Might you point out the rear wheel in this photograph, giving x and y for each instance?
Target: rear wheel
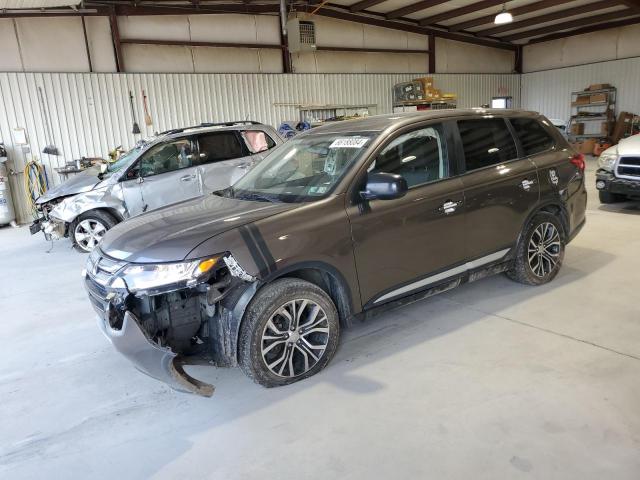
(607, 197)
(290, 331)
(540, 251)
(87, 230)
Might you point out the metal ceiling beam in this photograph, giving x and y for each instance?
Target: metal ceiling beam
(633, 4)
(458, 12)
(558, 27)
(589, 29)
(407, 25)
(532, 7)
(414, 7)
(364, 4)
(550, 17)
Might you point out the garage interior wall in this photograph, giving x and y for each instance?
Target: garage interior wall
(91, 113)
(57, 45)
(554, 69)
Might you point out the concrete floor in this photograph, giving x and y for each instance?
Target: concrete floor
(493, 380)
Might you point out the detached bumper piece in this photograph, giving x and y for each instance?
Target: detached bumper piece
(131, 341)
(607, 182)
(152, 359)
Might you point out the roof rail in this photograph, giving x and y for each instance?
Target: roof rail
(209, 124)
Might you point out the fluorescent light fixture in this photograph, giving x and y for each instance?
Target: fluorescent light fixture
(503, 17)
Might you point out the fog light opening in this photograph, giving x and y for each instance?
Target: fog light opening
(600, 184)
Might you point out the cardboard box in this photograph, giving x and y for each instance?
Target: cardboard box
(622, 125)
(599, 86)
(598, 97)
(582, 100)
(585, 147)
(577, 128)
(605, 128)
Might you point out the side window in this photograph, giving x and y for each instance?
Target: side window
(486, 141)
(257, 141)
(419, 156)
(167, 157)
(218, 146)
(533, 136)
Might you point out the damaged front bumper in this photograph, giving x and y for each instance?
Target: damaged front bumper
(150, 358)
(161, 330)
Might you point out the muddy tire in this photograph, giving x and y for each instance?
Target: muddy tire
(289, 332)
(87, 230)
(540, 252)
(608, 197)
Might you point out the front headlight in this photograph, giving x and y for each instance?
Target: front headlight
(153, 276)
(607, 161)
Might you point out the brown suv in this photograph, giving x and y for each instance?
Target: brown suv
(331, 225)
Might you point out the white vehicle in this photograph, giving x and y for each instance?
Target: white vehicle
(618, 175)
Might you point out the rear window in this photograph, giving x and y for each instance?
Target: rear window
(218, 146)
(533, 136)
(486, 142)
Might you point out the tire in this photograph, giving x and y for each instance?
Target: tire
(533, 264)
(608, 197)
(94, 224)
(260, 344)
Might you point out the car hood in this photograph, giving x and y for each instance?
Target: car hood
(627, 146)
(80, 183)
(170, 233)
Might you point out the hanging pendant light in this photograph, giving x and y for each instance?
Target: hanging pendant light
(503, 17)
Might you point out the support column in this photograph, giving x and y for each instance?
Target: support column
(432, 54)
(284, 38)
(115, 36)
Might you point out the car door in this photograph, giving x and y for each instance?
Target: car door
(499, 187)
(407, 244)
(167, 174)
(223, 158)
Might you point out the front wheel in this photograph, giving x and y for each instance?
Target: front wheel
(87, 230)
(540, 251)
(290, 331)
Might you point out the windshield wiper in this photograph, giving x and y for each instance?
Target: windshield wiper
(256, 197)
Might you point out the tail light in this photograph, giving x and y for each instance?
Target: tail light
(578, 161)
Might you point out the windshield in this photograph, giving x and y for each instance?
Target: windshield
(122, 162)
(303, 169)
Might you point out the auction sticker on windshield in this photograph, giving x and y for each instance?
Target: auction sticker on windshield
(349, 142)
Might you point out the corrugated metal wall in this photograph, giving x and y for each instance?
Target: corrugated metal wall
(549, 92)
(91, 114)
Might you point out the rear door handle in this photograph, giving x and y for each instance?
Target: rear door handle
(449, 207)
(187, 178)
(526, 184)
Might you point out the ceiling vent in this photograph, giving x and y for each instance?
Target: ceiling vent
(301, 35)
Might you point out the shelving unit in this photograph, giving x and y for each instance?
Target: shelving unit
(585, 112)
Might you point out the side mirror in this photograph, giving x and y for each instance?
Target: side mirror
(384, 186)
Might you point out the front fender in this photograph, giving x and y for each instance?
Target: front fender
(109, 198)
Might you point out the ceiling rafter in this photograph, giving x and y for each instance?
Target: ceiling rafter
(532, 7)
(458, 12)
(558, 27)
(589, 29)
(549, 17)
(364, 4)
(414, 7)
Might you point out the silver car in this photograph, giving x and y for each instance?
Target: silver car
(174, 166)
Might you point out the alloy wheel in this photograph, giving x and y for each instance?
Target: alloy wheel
(88, 234)
(295, 338)
(544, 249)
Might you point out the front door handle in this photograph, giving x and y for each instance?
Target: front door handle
(526, 184)
(449, 207)
(187, 178)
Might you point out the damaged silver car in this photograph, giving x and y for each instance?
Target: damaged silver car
(176, 165)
